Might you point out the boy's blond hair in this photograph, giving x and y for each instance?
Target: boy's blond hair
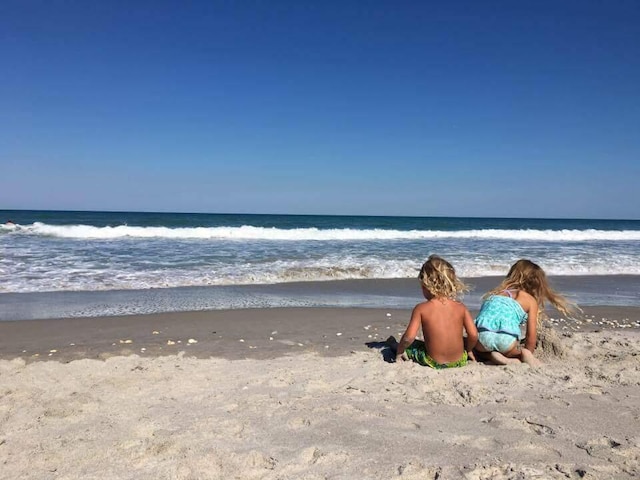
(439, 277)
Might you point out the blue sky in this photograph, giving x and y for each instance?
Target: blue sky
(461, 108)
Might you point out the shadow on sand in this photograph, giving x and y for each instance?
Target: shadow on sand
(388, 353)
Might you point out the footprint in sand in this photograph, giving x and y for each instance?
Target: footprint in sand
(300, 422)
(539, 427)
(605, 448)
(257, 459)
(313, 455)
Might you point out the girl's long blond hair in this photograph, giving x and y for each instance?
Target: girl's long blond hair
(439, 277)
(530, 277)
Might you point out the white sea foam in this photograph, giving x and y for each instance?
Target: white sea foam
(45, 257)
(67, 275)
(313, 234)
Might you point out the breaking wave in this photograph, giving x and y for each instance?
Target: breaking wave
(314, 234)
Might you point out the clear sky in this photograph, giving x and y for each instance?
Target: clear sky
(461, 108)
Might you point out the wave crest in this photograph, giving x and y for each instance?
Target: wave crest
(247, 232)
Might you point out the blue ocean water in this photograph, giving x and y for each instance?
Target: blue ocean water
(51, 251)
(69, 264)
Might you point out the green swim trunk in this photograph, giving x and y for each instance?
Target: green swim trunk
(418, 354)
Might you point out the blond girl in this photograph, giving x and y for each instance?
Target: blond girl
(518, 300)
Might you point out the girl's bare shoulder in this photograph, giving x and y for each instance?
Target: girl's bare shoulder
(526, 300)
(521, 294)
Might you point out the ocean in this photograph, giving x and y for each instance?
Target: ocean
(55, 263)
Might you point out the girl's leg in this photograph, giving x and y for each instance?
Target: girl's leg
(527, 357)
(496, 358)
(499, 359)
(512, 355)
(523, 354)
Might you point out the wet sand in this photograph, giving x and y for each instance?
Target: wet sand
(244, 333)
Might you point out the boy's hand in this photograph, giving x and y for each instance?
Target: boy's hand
(402, 357)
(471, 356)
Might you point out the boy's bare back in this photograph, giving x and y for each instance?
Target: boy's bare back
(443, 321)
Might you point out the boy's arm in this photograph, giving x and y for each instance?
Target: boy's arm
(472, 334)
(410, 333)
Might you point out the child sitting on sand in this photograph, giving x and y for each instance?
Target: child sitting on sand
(442, 318)
(517, 301)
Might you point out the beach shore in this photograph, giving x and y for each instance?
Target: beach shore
(241, 334)
(308, 393)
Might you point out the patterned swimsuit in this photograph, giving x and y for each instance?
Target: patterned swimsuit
(418, 353)
(499, 322)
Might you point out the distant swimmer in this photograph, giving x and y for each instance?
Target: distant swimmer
(9, 222)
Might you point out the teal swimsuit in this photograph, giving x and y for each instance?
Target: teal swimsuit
(499, 322)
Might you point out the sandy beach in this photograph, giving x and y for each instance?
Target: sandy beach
(308, 393)
(217, 217)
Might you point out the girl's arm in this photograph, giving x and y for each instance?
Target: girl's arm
(532, 326)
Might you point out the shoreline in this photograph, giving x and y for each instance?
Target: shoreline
(243, 333)
(404, 293)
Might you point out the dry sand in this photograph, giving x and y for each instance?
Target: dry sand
(296, 400)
